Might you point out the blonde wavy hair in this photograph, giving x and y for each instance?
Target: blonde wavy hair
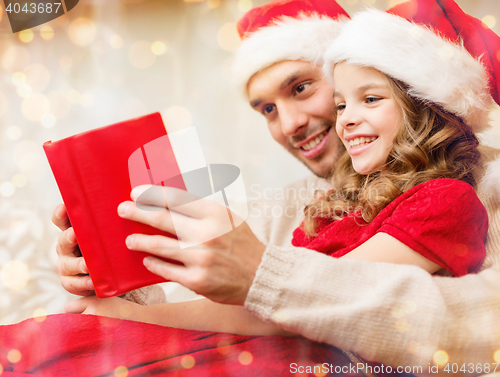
(431, 143)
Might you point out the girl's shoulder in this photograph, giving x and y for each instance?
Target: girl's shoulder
(450, 187)
(438, 197)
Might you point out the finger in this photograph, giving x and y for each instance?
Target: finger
(67, 243)
(78, 306)
(168, 271)
(71, 266)
(160, 220)
(60, 217)
(161, 246)
(160, 196)
(78, 285)
(177, 200)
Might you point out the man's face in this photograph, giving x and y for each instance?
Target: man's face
(297, 102)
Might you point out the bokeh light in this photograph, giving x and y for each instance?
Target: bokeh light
(48, 120)
(59, 104)
(140, 55)
(402, 325)
(7, 189)
(26, 36)
(489, 21)
(3, 104)
(14, 132)
(228, 37)
(35, 106)
(40, 315)
(187, 362)
(65, 61)
(121, 371)
(37, 76)
(496, 356)
(24, 90)
(177, 118)
(18, 78)
(319, 371)
(74, 96)
(15, 59)
(15, 275)
(27, 156)
(245, 358)
(245, 5)
(86, 100)
(212, 4)
(19, 180)
(158, 48)
(116, 41)
(82, 31)
(47, 33)
(132, 108)
(14, 356)
(369, 2)
(351, 2)
(440, 357)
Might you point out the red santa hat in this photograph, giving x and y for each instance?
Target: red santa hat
(443, 54)
(285, 30)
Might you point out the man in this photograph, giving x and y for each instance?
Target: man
(397, 315)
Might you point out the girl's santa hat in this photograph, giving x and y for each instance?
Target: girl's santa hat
(444, 55)
(285, 30)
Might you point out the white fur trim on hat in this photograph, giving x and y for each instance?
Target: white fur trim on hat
(436, 70)
(303, 38)
(491, 179)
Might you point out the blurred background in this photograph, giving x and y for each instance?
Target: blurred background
(108, 61)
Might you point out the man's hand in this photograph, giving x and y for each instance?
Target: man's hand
(70, 264)
(221, 269)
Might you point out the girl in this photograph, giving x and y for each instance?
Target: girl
(406, 181)
(406, 116)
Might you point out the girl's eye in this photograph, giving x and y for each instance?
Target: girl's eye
(339, 107)
(372, 99)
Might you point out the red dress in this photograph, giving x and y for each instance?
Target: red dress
(442, 219)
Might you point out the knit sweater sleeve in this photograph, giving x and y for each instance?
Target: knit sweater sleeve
(393, 314)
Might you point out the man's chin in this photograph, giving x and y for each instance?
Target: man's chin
(321, 170)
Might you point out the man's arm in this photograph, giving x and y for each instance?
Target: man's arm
(393, 314)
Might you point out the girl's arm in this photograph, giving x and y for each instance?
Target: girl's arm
(384, 248)
(202, 315)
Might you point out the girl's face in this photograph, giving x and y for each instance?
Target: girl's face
(368, 117)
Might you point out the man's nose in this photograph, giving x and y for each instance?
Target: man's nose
(292, 119)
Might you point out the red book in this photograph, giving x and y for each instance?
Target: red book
(95, 171)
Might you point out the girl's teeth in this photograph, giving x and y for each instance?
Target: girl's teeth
(359, 141)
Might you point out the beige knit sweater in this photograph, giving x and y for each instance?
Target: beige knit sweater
(395, 314)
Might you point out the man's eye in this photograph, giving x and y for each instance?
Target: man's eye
(268, 109)
(300, 88)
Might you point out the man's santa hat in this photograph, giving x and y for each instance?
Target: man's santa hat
(285, 30)
(444, 55)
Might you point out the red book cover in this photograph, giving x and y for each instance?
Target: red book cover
(95, 171)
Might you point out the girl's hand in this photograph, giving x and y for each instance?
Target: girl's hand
(222, 261)
(108, 307)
